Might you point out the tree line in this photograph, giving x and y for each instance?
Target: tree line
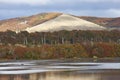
(59, 45)
(60, 51)
(60, 37)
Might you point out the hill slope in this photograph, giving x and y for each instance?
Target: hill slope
(107, 22)
(65, 22)
(45, 22)
(19, 24)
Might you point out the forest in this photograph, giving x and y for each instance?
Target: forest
(60, 45)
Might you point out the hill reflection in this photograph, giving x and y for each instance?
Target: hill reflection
(76, 75)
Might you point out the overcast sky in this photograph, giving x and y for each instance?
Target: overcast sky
(100, 8)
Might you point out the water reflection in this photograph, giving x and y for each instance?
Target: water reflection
(68, 76)
(74, 75)
(60, 70)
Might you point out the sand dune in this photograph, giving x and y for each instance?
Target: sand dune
(65, 22)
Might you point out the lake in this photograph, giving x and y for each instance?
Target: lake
(69, 69)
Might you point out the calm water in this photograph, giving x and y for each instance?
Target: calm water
(82, 69)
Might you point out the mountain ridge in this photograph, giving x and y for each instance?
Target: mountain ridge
(24, 23)
(107, 22)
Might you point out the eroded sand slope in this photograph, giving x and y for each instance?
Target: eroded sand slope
(65, 22)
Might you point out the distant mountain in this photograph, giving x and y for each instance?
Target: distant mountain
(106, 22)
(49, 22)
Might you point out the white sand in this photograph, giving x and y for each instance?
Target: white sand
(65, 22)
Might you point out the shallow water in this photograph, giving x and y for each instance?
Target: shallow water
(82, 69)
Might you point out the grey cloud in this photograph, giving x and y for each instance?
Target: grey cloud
(77, 7)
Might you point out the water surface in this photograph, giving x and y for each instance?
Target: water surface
(80, 69)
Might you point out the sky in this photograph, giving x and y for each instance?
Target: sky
(98, 8)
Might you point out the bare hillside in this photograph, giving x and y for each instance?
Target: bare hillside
(65, 22)
(19, 24)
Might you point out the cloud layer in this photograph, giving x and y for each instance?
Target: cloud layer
(101, 8)
(30, 2)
